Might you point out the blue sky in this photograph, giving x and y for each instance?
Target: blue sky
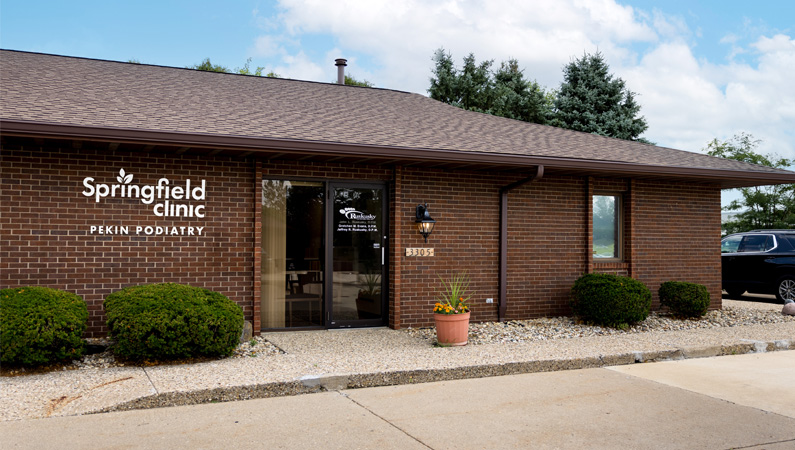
(702, 69)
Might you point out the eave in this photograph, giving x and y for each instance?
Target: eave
(270, 148)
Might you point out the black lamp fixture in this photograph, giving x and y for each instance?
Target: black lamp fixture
(424, 221)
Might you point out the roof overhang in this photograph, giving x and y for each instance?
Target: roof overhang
(243, 146)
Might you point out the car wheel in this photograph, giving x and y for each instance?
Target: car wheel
(735, 292)
(785, 288)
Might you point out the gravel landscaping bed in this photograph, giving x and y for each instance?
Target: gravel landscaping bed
(568, 327)
(544, 329)
(256, 347)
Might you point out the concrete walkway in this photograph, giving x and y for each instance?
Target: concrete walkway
(320, 361)
(711, 403)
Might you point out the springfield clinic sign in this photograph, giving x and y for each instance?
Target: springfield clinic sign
(167, 200)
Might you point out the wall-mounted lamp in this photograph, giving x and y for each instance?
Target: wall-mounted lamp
(424, 221)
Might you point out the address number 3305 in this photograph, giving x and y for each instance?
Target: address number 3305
(419, 252)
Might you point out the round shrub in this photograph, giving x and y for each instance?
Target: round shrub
(684, 299)
(40, 325)
(170, 321)
(610, 300)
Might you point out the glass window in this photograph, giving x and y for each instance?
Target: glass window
(756, 243)
(606, 229)
(292, 253)
(730, 244)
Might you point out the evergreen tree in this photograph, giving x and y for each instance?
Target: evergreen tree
(594, 101)
(444, 83)
(517, 98)
(763, 207)
(475, 87)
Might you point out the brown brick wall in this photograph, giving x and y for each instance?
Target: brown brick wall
(547, 244)
(465, 206)
(670, 232)
(677, 236)
(45, 220)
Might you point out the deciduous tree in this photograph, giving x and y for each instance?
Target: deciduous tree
(208, 66)
(762, 207)
(350, 80)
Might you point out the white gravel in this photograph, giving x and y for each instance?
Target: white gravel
(733, 314)
(280, 363)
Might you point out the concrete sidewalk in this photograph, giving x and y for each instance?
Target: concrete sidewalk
(332, 360)
(711, 403)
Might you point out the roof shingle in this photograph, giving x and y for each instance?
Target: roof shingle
(50, 89)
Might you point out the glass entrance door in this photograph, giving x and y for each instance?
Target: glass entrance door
(356, 225)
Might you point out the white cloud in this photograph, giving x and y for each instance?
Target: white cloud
(687, 101)
(670, 27)
(268, 46)
(778, 43)
(300, 67)
(400, 36)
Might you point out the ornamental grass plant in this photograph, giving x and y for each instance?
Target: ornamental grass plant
(454, 295)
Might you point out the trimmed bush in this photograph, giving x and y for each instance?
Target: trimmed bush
(610, 300)
(40, 325)
(171, 321)
(684, 299)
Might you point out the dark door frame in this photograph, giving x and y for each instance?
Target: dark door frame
(331, 186)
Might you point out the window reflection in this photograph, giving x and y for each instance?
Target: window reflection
(605, 226)
(292, 254)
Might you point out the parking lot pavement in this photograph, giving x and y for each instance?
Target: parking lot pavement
(665, 405)
(759, 380)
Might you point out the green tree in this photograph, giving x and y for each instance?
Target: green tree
(476, 87)
(351, 81)
(444, 82)
(763, 207)
(208, 66)
(518, 98)
(592, 100)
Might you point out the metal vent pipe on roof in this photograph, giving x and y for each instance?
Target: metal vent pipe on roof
(341, 63)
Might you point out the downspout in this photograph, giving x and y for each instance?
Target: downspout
(503, 299)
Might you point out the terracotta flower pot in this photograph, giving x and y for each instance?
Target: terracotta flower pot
(452, 329)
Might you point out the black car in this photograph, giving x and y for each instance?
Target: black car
(759, 261)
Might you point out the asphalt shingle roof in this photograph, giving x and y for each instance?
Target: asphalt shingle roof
(51, 89)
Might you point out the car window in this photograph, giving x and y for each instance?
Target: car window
(756, 243)
(789, 239)
(730, 244)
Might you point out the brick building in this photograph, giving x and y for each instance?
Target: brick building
(298, 200)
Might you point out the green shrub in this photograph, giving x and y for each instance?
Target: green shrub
(610, 300)
(40, 325)
(684, 299)
(170, 321)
